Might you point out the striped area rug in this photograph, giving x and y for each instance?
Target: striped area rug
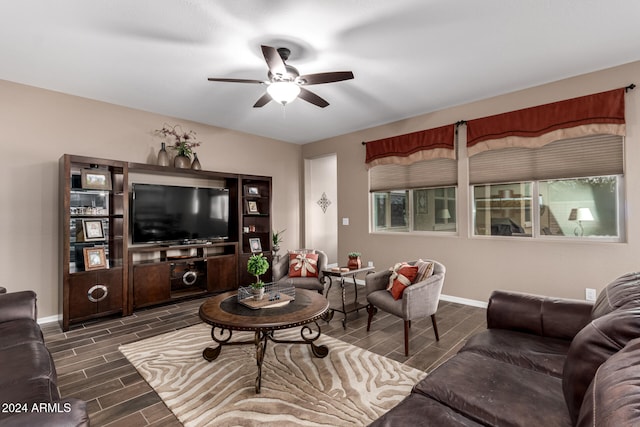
(349, 387)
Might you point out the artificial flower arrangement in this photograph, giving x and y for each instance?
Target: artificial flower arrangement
(184, 141)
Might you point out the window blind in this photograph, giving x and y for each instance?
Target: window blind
(569, 158)
(429, 173)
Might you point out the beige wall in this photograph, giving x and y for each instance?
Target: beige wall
(476, 266)
(38, 126)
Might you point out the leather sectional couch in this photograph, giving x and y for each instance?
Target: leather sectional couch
(28, 391)
(541, 362)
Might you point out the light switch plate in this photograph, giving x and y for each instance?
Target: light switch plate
(590, 294)
(345, 221)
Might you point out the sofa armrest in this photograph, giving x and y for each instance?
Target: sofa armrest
(64, 413)
(539, 315)
(376, 281)
(18, 305)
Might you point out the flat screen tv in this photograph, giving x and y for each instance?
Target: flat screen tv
(173, 214)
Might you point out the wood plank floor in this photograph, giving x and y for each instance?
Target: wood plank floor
(91, 368)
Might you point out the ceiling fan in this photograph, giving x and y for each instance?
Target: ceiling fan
(285, 83)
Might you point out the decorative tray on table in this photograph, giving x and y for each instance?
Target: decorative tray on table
(274, 296)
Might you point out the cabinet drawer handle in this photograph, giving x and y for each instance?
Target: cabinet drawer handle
(94, 288)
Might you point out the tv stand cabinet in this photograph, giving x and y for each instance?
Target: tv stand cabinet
(161, 274)
(127, 276)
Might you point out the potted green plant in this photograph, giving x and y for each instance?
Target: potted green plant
(276, 238)
(354, 260)
(257, 266)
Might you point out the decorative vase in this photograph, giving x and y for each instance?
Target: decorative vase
(354, 263)
(163, 156)
(181, 162)
(258, 293)
(195, 165)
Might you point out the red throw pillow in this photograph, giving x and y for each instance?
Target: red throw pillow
(303, 265)
(406, 274)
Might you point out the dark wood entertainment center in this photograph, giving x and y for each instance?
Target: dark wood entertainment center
(95, 222)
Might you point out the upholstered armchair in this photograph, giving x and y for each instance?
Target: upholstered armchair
(417, 301)
(281, 270)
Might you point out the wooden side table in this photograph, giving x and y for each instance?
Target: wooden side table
(346, 308)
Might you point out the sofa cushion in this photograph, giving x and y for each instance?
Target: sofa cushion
(311, 283)
(546, 355)
(25, 362)
(417, 409)
(622, 292)
(19, 331)
(496, 393)
(402, 276)
(18, 305)
(594, 344)
(425, 270)
(303, 265)
(613, 397)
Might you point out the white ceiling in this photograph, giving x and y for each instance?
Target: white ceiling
(409, 57)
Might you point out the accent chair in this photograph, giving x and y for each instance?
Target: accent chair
(282, 270)
(418, 300)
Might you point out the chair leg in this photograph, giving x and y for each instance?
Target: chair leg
(407, 325)
(371, 310)
(435, 326)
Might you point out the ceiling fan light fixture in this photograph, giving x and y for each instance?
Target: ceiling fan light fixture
(283, 92)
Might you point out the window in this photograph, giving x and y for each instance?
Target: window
(579, 207)
(425, 209)
(434, 209)
(503, 209)
(567, 188)
(584, 207)
(416, 197)
(390, 212)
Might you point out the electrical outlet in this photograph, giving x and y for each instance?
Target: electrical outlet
(590, 294)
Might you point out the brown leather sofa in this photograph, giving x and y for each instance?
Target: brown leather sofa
(28, 391)
(541, 362)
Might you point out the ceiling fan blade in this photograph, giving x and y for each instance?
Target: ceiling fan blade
(213, 79)
(319, 78)
(264, 100)
(311, 97)
(274, 61)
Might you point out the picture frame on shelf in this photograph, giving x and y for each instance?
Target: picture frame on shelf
(252, 207)
(94, 258)
(255, 245)
(92, 230)
(251, 191)
(94, 179)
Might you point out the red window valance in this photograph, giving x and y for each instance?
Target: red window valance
(600, 113)
(437, 143)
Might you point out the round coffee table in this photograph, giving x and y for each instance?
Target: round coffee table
(226, 315)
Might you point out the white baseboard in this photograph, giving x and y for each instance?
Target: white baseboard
(465, 301)
(49, 319)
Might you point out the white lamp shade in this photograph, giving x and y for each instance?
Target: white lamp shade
(580, 214)
(444, 214)
(283, 92)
